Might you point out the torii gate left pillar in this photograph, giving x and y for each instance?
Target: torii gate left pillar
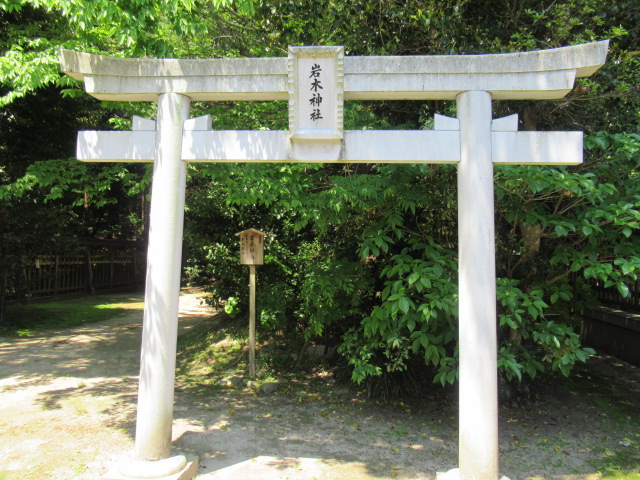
(158, 350)
(475, 142)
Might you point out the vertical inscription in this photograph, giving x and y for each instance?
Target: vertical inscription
(316, 99)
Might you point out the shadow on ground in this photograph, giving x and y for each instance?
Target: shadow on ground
(68, 399)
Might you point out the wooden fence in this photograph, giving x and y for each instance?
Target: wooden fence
(611, 296)
(99, 267)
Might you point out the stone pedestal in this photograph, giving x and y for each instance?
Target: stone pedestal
(176, 467)
(454, 474)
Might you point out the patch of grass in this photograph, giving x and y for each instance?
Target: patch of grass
(619, 458)
(276, 362)
(27, 320)
(608, 397)
(618, 464)
(212, 355)
(210, 352)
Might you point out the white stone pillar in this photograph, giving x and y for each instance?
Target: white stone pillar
(478, 453)
(160, 326)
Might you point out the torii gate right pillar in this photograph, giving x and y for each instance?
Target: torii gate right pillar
(478, 369)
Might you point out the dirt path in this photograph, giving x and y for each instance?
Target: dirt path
(68, 399)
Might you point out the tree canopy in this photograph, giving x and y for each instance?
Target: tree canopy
(363, 257)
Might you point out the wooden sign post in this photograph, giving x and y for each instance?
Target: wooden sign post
(252, 254)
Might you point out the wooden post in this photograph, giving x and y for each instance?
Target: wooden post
(252, 320)
(3, 296)
(112, 260)
(252, 254)
(56, 274)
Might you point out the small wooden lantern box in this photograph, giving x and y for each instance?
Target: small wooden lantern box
(251, 247)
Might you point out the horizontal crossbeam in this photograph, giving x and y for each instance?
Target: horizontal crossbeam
(360, 146)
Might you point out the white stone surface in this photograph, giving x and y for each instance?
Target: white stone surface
(442, 122)
(543, 74)
(587, 58)
(160, 324)
(135, 146)
(316, 73)
(141, 123)
(176, 467)
(454, 474)
(235, 146)
(410, 146)
(316, 102)
(504, 124)
(199, 123)
(510, 147)
(360, 146)
(537, 148)
(132, 467)
(445, 86)
(478, 369)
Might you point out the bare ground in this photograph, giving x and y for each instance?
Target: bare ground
(68, 399)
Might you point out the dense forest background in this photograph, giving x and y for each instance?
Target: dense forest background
(360, 257)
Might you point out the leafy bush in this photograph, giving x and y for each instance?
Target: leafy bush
(369, 261)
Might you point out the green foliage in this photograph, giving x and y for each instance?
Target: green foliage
(376, 269)
(417, 308)
(55, 179)
(594, 211)
(122, 28)
(46, 197)
(530, 342)
(332, 289)
(358, 256)
(231, 306)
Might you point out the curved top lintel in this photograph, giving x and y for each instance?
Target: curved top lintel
(410, 77)
(585, 59)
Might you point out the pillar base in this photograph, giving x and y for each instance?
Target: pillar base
(177, 467)
(454, 474)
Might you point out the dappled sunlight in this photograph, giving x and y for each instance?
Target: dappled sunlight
(195, 306)
(73, 354)
(69, 396)
(556, 437)
(300, 468)
(329, 435)
(586, 476)
(79, 387)
(80, 351)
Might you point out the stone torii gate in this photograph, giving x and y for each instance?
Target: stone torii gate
(316, 81)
